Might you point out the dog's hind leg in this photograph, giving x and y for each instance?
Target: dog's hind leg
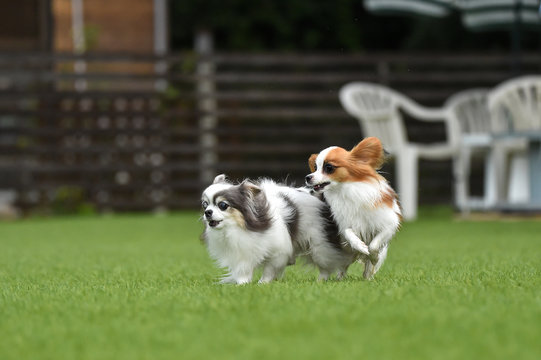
(342, 273)
(381, 259)
(371, 267)
(368, 269)
(323, 275)
(378, 247)
(273, 269)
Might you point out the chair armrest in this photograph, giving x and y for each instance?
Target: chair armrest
(442, 115)
(422, 113)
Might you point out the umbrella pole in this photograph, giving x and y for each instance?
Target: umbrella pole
(516, 39)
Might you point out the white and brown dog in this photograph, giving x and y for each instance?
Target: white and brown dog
(363, 204)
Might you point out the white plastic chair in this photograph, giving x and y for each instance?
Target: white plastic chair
(468, 110)
(515, 106)
(376, 107)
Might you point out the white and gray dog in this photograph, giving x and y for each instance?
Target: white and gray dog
(264, 224)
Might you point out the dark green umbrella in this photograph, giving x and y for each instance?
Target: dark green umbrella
(436, 8)
(476, 14)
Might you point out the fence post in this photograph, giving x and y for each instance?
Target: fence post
(160, 42)
(79, 46)
(206, 105)
(383, 72)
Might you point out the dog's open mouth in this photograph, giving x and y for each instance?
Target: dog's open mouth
(320, 187)
(213, 223)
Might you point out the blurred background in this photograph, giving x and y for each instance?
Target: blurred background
(136, 105)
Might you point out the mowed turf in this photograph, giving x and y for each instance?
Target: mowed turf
(143, 287)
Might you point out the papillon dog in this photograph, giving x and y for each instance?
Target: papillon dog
(264, 224)
(363, 204)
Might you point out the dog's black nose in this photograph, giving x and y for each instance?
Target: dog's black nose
(308, 179)
(208, 213)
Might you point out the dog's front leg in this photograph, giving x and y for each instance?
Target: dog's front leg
(242, 274)
(356, 243)
(243, 279)
(379, 242)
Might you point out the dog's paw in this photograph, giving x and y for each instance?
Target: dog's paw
(323, 276)
(341, 274)
(356, 243)
(227, 280)
(361, 247)
(242, 281)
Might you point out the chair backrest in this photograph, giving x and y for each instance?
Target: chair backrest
(468, 113)
(515, 105)
(376, 107)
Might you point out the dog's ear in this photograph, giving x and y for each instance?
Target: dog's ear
(369, 151)
(220, 179)
(249, 188)
(312, 162)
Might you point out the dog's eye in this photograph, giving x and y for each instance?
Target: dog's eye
(204, 204)
(328, 168)
(223, 205)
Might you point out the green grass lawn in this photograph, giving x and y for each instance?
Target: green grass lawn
(143, 287)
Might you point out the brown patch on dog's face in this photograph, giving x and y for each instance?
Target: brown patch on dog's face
(346, 167)
(239, 219)
(312, 162)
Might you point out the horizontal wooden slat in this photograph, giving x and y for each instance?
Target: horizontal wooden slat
(440, 59)
(17, 58)
(258, 77)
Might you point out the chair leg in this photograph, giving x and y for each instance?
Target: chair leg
(519, 181)
(407, 173)
(493, 179)
(498, 171)
(462, 166)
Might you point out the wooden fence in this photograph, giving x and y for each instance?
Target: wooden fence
(145, 132)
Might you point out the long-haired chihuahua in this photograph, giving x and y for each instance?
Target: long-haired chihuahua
(264, 224)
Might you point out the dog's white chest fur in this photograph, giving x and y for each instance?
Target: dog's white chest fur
(357, 206)
(232, 246)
